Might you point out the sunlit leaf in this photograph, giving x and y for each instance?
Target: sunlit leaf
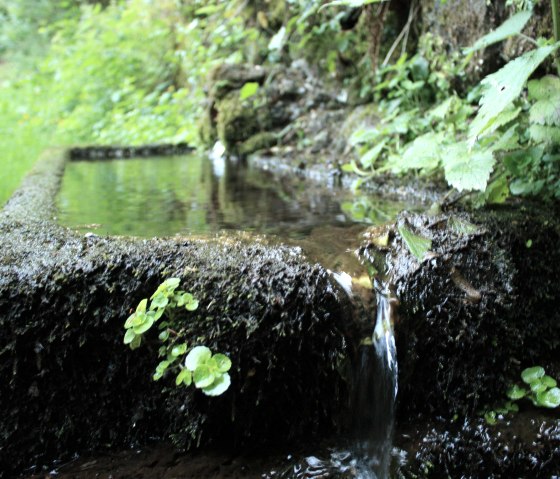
(184, 377)
(219, 386)
(515, 392)
(550, 398)
(223, 363)
(142, 328)
(179, 350)
(129, 336)
(501, 88)
(197, 356)
(248, 90)
(530, 375)
(417, 245)
(468, 170)
(203, 376)
(423, 153)
(545, 134)
(369, 158)
(544, 88)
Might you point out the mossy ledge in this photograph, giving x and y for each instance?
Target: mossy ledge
(70, 385)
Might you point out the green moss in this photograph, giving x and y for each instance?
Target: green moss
(260, 141)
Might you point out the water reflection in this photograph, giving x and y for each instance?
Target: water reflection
(193, 195)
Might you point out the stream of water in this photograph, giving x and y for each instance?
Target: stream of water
(198, 196)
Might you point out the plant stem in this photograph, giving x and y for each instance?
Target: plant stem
(555, 4)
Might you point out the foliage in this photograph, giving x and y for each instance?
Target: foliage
(511, 145)
(416, 244)
(540, 388)
(208, 372)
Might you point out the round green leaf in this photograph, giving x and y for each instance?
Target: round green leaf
(172, 283)
(223, 363)
(203, 376)
(198, 355)
(139, 318)
(515, 392)
(184, 377)
(538, 387)
(179, 350)
(129, 336)
(219, 386)
(192, 305)
(159, 301)
(530, 375)
(164, 335)
(147, 324)
(548, 381)
(550, 398)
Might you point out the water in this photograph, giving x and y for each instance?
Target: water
(195, 195)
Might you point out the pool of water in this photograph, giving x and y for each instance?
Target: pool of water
(194, 195)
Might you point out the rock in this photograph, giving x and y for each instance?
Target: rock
(70, 385)
(478, 309)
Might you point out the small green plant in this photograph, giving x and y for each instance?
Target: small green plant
(540, 388)
(207, 371)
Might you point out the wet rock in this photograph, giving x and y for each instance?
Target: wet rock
(69, 384)
(476, 310)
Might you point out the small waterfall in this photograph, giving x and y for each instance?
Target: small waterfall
(376, 392)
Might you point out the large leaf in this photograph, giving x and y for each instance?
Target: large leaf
(417, 245)
(500, 89)
(468, 170)
(544, 88)
(512, 26)
(248, 90)
(423, 153)
(544, 134)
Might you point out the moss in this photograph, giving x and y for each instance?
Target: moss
(238, 120)
(257, 142)
(283, 322)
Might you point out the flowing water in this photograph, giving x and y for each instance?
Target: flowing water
(194, 195)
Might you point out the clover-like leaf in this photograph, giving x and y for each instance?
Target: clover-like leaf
(203, 376)
(548, 381)
(179, 350)
(145, 325)
(197, 356)
(164, 335)
(184, 377)
(533, 374)
(219, 386)
(550, 398)
(538, 387)
(515, 392)
(223, 363)
(159, 301)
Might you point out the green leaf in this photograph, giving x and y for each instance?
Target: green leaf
(147, 324)
(546, 112)
(500, 89)
(130, 321)
(248, 90)
(203, 376)
(197, 356)
(223, 362)
(468, 170)
(184, 377)
(416, 244)
(129, 336)
(462, 227)
(423, 153)
(370, 157)
(512, 26)
(533, 374)
(179, 350)
(192, 305)
(159, 301)
(538, 387)
(497, 191)
(219, 386)
(548, 381)
(545, 134)
(164, 336)
(136, 342)
(142, 306)
(515, 392)
(349, 3)
(550, 398)
(490, 417)
(544, 88)
(441, 111)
